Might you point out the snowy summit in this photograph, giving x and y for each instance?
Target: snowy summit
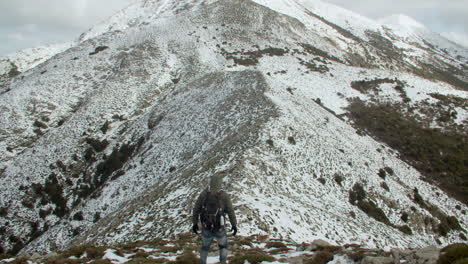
(400, 20)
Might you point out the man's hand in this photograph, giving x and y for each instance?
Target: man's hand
(234, 230)
(195, 228)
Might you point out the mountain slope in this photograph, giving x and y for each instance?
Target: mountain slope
(111, 140)
(415, 31)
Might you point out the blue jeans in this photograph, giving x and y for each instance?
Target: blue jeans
(207, 238)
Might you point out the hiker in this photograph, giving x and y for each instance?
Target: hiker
(209, 215)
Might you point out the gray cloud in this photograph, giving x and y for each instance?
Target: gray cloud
(69, 14)
(26, 23)
(438, 15)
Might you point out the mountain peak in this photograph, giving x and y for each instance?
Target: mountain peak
(401, 20)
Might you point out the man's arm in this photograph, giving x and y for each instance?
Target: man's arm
(198, 207)
(229, 209)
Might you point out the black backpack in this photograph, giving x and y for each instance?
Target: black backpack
(212, 212)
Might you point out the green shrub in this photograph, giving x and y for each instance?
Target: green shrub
(101, 261)
(330, 249)
(355, 256)
(453, 253)
(275, 244)
(3, 211)
(20, 260)
(78, 216)
(405, 229)
(279, 250)
(251, 58)
(385, 186)
(115, 161)
(97, 145)
(450, 100)
(462, 236)
(364, 86)
(5, 256)
(98, 49)
(447, 224)
(318, 52)
(187, 258)
(372, 210)
(461, 261)
(54, 191)
(243, 241)
(404, 217)
(357, 193)
(382, 174)
(251, 258)
(169, 249)
(90, 250)
(105, 127)
(13, 71)
(418, 199)
(453, 223)
(321, 257)
(61, 260)
(40, 124)
(142, 260)
(338, 178)
(95, 252)
(440, 155)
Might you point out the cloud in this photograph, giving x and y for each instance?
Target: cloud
(30, 28)
(70, 14)
(15, 37)
(457, 37)
(438, 15)
(28, 23)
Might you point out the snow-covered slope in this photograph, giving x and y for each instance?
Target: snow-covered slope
(140, 13)
(30, 58)
(413, 30)
(402, 24)
(112, 139)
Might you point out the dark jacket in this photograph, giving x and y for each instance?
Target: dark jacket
(226, 205)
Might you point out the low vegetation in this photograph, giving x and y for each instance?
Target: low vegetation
(251, 258)
(440, 155)
(445, 73)
(98, 49)
(13, 71)
(251, 58)
(243, 249)
(454, 254)
(366, 86)
(446, 223)
(358, 197)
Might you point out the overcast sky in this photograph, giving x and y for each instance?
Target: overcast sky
(29, 23)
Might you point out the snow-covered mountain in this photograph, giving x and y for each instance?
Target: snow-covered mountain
(112, 139)
(414, 31)
(29, 58)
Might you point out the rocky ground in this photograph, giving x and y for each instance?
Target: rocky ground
(183, 248)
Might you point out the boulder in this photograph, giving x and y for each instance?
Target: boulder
(427, 255)
(321, 243)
